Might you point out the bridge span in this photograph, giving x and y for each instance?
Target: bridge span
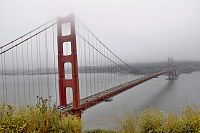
(107, 94)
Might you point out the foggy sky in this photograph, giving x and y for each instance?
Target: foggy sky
(136, 30)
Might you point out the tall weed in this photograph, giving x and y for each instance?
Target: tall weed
(37, 119)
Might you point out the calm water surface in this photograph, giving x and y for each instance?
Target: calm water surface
(158, 93)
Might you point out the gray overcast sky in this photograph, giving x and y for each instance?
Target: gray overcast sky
(136, 30)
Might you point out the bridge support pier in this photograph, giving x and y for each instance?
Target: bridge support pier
(172, 70)
(64, 83)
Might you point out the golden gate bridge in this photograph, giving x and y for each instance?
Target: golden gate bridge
(65, 63)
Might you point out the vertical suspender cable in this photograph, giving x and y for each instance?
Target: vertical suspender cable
(47, 68)
(28, 73)
(5, 76)
(86, 67)
(102, 70)
(79, 59)
(17, 65)
(2, 77)
(54, 62)
(32, 73)
(17, 75)
(23, 76)
(40, 65)
(89, 63)
(38, 71)
(13, 75)
(93, 68)
(97, 67)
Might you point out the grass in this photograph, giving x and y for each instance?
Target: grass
(151, 121)
(43, 119)
(37, 119)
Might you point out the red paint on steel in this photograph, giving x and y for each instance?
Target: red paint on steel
(92, 102)
(72, 58)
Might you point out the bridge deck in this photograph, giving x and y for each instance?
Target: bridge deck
(102, 96)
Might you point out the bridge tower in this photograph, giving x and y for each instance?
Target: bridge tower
(73, 82)
(172, 70)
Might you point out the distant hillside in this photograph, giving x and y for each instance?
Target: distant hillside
(182, 66)
(143, 68)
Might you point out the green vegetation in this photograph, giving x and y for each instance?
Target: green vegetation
(37, 119)
(151, 121)
(43, 119)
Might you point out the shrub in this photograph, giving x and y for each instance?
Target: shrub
(44, 119)
(190, 121)
(129, 125)
(37, 119)
(170, 124)
(150, 121)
